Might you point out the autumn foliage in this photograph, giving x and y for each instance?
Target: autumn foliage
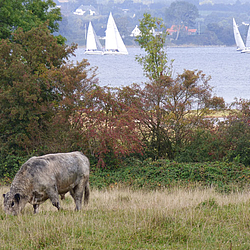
(39, 90)
(109, 124)
(48, 104)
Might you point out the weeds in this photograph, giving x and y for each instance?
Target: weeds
(129, 219)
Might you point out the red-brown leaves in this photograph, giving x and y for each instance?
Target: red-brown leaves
(110, 122)
(173, 108)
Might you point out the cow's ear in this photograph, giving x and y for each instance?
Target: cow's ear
(3, 195)
(17, 197)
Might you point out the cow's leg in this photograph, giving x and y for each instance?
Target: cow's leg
(77, 193)
(62, 196)
(36, 207)
(86, 192)
(53, 195)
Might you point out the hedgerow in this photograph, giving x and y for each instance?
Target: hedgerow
(149, 174)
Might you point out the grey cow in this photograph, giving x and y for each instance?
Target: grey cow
(47, 177)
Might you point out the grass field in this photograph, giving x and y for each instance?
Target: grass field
(126, 219)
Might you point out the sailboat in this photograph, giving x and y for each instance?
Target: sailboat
(113, 42)
(93, 45)
(239, 42)
(247, 48)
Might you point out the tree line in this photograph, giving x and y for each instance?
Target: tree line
(212, 22)
(48, 104)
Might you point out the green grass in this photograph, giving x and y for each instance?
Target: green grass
(134, 219)
(143, 205)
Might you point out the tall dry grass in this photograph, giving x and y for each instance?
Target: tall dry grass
(126, 219)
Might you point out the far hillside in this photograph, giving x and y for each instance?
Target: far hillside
(208, 23)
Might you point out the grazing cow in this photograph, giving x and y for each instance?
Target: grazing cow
(47, 177)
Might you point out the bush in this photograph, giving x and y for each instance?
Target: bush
(203, 146)
(151, 174)
(239, 139)
(9, 165)
(237, 131)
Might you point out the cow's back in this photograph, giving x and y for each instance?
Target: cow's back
(63, 169)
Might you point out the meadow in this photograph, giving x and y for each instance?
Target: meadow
(122, 218)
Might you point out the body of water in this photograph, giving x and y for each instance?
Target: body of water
(227, 67)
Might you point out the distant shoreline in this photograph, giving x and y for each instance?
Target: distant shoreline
(175, 46)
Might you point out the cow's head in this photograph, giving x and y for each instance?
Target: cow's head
(12, 203)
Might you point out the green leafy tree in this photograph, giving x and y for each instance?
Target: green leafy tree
(156, 68)
(27, 14)
(154, 62)
(171, 107)
(39, 92)
(181, 14)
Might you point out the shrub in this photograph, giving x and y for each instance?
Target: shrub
(151, 174)
(9, 165)
(203, 146)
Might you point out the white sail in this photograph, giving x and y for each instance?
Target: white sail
(113, 42)
(248, 38)
(247, 48)
(93, 45)
(239, 42)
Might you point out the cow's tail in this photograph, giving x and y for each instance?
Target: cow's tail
(86, 192)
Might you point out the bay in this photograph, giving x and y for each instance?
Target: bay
(228, 68)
